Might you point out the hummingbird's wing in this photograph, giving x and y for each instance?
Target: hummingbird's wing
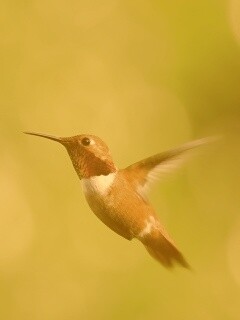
(146, 171)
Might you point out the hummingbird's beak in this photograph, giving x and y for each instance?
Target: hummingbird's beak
(60, 140)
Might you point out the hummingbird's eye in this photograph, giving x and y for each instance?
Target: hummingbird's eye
(86, 141)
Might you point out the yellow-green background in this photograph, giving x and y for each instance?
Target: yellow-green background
(144, 76)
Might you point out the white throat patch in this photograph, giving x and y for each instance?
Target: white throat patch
(98, 184)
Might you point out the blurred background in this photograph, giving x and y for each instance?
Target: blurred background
(145, 76)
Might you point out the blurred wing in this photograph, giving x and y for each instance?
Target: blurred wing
(146, 171)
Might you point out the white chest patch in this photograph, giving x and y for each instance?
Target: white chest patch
(150, 223)
(98, 184)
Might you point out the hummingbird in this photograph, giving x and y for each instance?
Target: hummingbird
(118, 197)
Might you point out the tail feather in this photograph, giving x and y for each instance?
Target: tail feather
(165, 252)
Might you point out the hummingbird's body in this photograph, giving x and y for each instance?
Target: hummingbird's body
(118, 197)
(115, 202)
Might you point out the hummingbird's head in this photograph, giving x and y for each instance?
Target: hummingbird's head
(89, 154)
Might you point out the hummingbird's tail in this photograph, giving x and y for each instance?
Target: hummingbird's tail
(164, 251)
